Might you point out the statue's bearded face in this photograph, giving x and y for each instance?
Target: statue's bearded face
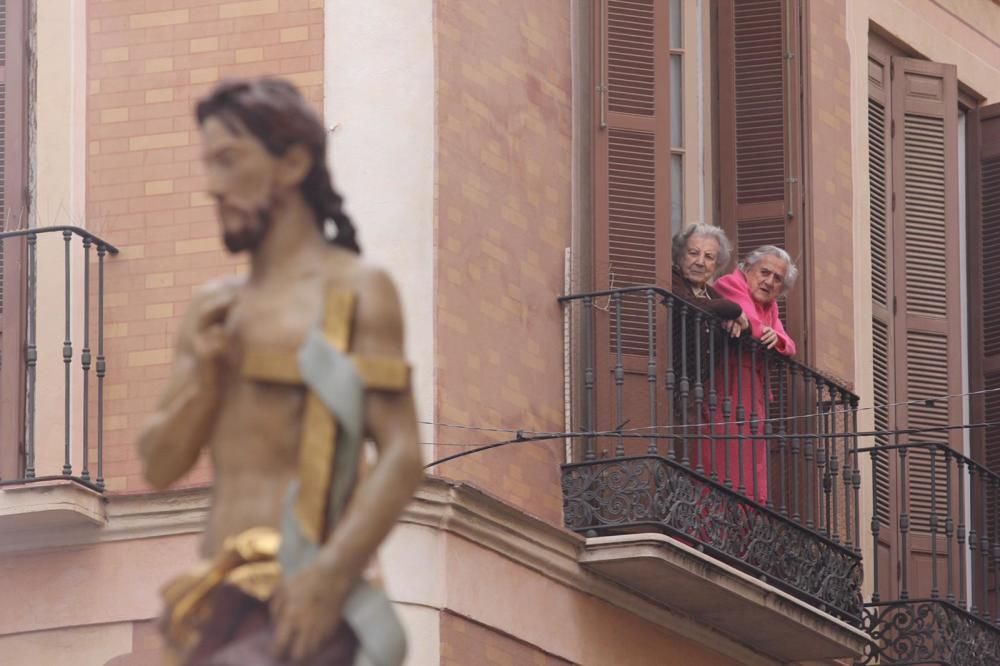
(240, 175)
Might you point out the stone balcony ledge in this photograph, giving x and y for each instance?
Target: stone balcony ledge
(734, 603)
(48, 506)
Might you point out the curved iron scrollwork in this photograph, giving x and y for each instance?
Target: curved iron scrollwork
(925, 631)
(619, 494)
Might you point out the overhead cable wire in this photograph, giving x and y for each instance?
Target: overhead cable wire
(761, 421)
(521, 438)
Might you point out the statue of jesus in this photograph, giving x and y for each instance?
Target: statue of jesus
(282, 375)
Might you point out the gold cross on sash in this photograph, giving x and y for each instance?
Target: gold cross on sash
(319, 428)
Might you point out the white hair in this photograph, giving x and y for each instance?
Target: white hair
(702, 231)
(791, 274)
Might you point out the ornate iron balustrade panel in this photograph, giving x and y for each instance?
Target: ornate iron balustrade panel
(928, 631)
(939, 529)
(625, 494)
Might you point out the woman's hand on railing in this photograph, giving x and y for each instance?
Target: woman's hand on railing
(735, 327)
(768, 337)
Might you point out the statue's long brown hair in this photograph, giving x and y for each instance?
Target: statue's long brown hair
(274, 112)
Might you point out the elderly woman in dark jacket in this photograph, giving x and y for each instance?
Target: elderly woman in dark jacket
(700, 251)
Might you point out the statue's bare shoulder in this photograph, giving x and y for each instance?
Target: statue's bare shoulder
(380, 317)
(378, 321)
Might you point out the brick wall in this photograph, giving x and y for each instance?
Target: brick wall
(148, 61)
(502, 216)
(465, 642)
(831, 189)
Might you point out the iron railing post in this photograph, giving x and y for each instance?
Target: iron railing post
(67, 353)
(856, 476)
(904, 526)
(619, 378)
(962, 600)
(984, 544)
(670, 378)
(933, 524)
(685, 388)
(101, 364)
(651, 368)
(782, 441)
(588, 376)
(949, 527)
(85, 360)
(713, 405)
(741, 418)
(875, 528)
(754, 487)
(699, 395)
(31, 360)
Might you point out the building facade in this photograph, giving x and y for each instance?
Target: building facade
(520, 167)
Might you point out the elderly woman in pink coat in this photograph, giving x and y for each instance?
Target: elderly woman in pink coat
(755, 285)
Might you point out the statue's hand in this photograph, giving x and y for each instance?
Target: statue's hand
(209, 339)
(306, 610)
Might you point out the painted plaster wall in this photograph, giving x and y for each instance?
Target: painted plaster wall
(502, 213)
(466, 642)
(379, 106)
(59, 149)
(105, 583)
(93, 645)
(145, 69)
(830, 194)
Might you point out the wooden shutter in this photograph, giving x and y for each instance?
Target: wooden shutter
(632, 178)
(759, 132)
(925, 353)
(984, 284)
(916, 308)
(879, 142)
(989, 147)
(926, 243)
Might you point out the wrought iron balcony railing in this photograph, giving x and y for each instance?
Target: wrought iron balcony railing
(727, 445)
(936, 560)
(20, 393)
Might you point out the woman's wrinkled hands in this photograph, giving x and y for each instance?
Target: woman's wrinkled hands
(735, 327)
(769, 337)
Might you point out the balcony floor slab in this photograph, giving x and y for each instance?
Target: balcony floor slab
(48, 505)
(747, 610)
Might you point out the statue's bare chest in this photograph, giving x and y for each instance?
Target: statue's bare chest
(275, 317)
